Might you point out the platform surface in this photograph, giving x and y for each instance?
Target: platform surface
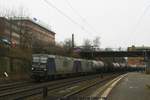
(135, 86)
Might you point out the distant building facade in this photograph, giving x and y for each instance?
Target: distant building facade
(9, 31)
(137, 60)
(25, 31)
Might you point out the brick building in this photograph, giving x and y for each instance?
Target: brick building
(9, 31)
(25, 31)
(137, 60)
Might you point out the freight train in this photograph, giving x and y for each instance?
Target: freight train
(45, 67)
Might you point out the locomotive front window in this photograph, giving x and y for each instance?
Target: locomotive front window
(36, 59)
(39, 63)
(43, 60)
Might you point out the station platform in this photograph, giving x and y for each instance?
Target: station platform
(134, 86)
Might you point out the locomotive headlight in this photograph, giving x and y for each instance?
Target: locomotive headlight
(32, 68)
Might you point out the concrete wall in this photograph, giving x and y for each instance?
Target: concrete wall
(15, 68)
(4, 64)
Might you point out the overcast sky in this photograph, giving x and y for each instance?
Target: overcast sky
(117, 22)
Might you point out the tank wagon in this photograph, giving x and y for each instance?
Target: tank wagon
(46, 67)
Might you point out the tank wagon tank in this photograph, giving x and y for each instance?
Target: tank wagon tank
(116, 66)
(98, 66)
(123, 67)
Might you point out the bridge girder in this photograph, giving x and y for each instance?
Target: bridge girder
(115, 54)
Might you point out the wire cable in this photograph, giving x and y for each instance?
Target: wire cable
(81, 17)
(65, 15)
(141, 18)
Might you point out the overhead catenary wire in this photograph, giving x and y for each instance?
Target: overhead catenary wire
(65, 15)
(141, 18)
(81, 17)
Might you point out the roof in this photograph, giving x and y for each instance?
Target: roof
(33, 22)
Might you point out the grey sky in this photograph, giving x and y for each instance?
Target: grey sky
(118, 22)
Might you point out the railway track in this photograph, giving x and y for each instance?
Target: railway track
(19, 91)
(53, 88)
(77, 89)
(11, 81)
(5, 81)
(14, 85)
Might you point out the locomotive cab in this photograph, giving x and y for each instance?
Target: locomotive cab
(39, 67)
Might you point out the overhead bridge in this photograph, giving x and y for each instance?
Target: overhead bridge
(115, 53)
(145, 54)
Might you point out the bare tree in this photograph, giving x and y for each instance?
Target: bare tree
(87, 45)
(26, 35)
(108, 49)
(67, 44)
(68, 48)
(96, 42)
(6, 12)
(13, 15)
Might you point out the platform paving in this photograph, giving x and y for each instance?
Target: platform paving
(135, 86)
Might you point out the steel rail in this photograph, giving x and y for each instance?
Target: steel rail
(85, 87)
(39, 88)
